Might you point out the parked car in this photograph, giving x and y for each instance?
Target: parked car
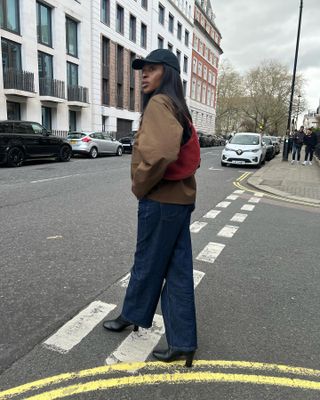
(244, 148)
(270, 150)
(128, 142)
(276, 143)
(93, 144)
(204, 139)
(25, 140)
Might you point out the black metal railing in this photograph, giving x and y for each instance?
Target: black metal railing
(18, 79)
(52, 87)
(78, 93)
(59, 133)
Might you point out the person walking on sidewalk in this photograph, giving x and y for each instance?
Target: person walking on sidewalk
(310, 140)
(297, 144)
(165, 156)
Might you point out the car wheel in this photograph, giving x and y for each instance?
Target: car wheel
(15, 157)
(93, 153)
(65, 153)
(119, 151)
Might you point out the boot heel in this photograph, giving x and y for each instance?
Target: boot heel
(189, 359)
(135, 328)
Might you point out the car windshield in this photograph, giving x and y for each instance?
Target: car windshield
(267, 141)
(245, 139)
(76, 135)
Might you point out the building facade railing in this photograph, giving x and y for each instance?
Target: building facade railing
(59, 133)
(17, 79)
(52, 87)
(78, 93)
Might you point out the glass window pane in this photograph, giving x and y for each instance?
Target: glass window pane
(11, 54)
(12, 15)
(72, 47)
(45, 65)
(2, 14)
(45, 25)
(72, 74)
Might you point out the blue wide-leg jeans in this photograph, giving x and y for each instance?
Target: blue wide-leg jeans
(163, 267)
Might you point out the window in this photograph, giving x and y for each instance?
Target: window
(143, 36)
(132, 83)
(11, 54)
(133, 28)
(179, 56)
(194, 65)
(179, 31)
(46, 117)
(105, 11)
(72, 74)
(119, 76)
(193, 89)
(144, 4)
(9, 15)
(13, 111)
(204, 93)
(72, 37)
(120, 19)
(160, 42)
(45, 65)
(105, 70)
(171, 22)
(184, 85)
(161, 14)
(170, 46)
(44, 31)
(198, 91)
(200, 68)
(204, 72)
(72, 121)
(185, 64)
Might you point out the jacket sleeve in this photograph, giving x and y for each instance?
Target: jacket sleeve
(158, 145)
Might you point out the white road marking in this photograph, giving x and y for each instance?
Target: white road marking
(138, 345)
(197, 226)
(223, 204)
(125, 280)
(71, 333)
(211, 252)
(55, 237)
(238, 217)
(248, 207)
(54, 179)
(254, 200)
(259, 194)
(232, 197)
(215, 169)
(238, 191)
(228, 231)
(212, 214)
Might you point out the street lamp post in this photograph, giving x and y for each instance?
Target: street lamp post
(298, 109)
(286, 142)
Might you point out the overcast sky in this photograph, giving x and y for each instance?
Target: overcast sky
(255, 30)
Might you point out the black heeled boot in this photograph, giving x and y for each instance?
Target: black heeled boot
(119, 324)
(174, 355)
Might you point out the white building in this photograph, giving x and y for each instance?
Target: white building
(312, 119)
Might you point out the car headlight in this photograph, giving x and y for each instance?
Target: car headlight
(255, 151)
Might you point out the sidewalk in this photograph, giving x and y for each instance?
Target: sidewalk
(296, 182)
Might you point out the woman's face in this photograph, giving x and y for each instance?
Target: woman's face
(151, 77)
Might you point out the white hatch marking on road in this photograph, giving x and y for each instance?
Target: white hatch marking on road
(238, 217)
(211, 252)
(223, 204)
(228, 231)
(125, 280)
(232, 197)
(71, 333)
(259, 194)
(54, 179)
(138, 345)
(55, 237)
(215, 169)
(197, 226)
(212, 214)
(248, 207)
(238, 191)
(254, 200)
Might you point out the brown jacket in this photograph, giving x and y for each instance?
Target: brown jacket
(158, 144)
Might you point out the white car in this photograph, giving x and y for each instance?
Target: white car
(244, 148)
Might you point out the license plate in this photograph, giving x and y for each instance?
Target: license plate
(73, 141)
(238, 162)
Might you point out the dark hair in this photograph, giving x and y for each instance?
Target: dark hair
(171, 86)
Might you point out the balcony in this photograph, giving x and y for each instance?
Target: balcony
(52, 90)
(78, 96)
(18, 82)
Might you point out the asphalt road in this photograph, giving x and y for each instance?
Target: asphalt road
(67, 239)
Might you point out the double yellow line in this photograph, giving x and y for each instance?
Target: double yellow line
(149, 375)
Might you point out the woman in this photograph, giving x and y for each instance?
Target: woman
(165, 157)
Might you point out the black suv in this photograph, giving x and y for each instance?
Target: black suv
(21, 140)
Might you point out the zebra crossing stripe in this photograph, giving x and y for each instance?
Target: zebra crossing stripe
(254, 200)
(71, 333)
(138, 345)
(238, 217)
(212, 214)
(238, 191)
(211, 252)
(197, 226)
(248, 207)
(223, 204)
(232, 197)
(228, 231)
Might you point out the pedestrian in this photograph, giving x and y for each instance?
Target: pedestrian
(310, 140)
(297, 144)
(165, 156)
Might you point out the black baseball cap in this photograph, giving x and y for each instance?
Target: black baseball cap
(159, 56)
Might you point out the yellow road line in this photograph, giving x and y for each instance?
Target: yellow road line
(251, 366)
(176, 378)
